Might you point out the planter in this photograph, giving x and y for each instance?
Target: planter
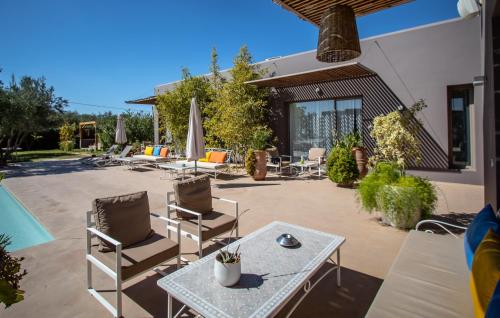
(260, 165)
(226, 274)
(361, 157)
(401, 222)
(400, 206)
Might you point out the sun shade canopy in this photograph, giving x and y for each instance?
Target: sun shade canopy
(313, 10)
(331, 73)
(151, 100)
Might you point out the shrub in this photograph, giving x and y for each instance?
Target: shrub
(341, 165)
(384, 173)
(10, 275)
(260, 138)
(2, 175)
(425, 191)
(68, 145)
(67, 137)
(250, 162)
(400, 204)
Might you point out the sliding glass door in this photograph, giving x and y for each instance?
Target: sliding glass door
(318, 123)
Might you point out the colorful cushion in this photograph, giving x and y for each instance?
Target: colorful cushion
(156, 151)
(164, 152)
(194, 194)
(217, 157)
(125, 218)
(485, 272)
(207, 157)
(148, 151)
(483, 221)
(493, 310)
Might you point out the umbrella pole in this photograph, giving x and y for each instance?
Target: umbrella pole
(195, 168)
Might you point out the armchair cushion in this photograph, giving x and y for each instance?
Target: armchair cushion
(142, 256)
(213, 224)
(125, 218)
(193, 194)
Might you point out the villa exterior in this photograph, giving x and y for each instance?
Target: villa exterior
(312, 101)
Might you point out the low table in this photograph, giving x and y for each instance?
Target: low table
(177, 168)
(303, 167)
(271, 274)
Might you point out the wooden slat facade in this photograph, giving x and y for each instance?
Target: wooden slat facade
(312, 10)
(333, 73)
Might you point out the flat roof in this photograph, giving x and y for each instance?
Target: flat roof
(331, 73)
(312, 11)
(151, 100)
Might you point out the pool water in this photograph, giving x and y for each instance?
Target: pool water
(22, 228)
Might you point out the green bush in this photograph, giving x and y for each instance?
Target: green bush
(260, 138)
(400, 204)
(67, 145)
(425, 191)
(250, 162)
(2, 175)
(341, 165)
(10, 275)
(384, 173)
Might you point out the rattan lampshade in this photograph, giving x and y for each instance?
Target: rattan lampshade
(338, 39)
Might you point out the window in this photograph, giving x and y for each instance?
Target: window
(459, 100)
(316, 123)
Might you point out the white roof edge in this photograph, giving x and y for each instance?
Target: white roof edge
(428, 25)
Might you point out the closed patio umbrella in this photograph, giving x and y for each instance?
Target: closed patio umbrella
(121, 134)
(195, 146)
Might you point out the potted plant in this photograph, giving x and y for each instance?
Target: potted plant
(359, 152)
(256, 159)
(227, 267)
(341, 166)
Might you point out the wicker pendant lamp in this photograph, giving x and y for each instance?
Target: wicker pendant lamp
(338, 39)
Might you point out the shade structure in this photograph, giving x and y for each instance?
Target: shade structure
(195, 146)
(120, 134)
(338, 38)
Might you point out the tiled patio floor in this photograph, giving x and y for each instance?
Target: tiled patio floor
(59, 193)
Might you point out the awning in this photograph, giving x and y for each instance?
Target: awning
(151, 100)
(331, 73)
(313, 10)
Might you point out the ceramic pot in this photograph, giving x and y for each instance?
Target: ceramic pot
(361, 157)
(260, 165)
(226, 274)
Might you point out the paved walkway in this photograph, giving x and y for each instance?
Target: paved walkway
(59, 192)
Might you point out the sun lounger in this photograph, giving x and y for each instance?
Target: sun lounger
(113, 159)
(104, 156)
(154, 155)
(216, 159)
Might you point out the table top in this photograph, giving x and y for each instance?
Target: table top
(271, 274)
(305, 164)
(176, 166)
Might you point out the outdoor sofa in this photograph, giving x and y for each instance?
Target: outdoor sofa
(154, 155)
(431, 276)
(216, 159)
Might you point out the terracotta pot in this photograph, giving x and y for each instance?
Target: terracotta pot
(361, 157)
(260, 165)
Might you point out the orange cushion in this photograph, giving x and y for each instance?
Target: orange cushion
(148, 151)
(217, 157)
(164, 152)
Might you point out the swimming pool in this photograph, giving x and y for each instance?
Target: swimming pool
(15, 221)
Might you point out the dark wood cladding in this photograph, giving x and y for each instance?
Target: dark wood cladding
(312, 10)
(377, 99)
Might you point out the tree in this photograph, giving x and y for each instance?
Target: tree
(139, 126)
(173, 106)
(241, 108)
(10, 275)
(26, 107)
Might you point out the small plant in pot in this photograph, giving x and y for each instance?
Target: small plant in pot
(354, 142)
(227, 267)
(256, 158)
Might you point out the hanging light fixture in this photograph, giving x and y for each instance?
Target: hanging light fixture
(338, 39)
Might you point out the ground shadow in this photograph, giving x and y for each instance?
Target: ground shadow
(243, 185)
(50, 167)
(352, 299)
(455, 218)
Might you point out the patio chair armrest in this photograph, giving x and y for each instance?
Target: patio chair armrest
(288, 156)
(440, 224)
(173, 206)
(104, 236)
(176, 228)
(235, 203)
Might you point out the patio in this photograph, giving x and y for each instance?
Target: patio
(59, 193)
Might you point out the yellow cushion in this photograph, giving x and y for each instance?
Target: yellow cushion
(207, 157)
(485, 272)
(148, 151)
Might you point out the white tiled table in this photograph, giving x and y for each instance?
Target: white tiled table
(271, 274)
(178, 168)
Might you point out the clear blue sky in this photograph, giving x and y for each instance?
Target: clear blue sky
(105, 52)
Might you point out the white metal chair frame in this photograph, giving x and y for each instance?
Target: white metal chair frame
(116, 273)
(440, 224)
(198, 237)
(279, 165)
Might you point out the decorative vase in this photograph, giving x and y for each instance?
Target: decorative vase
(361, 157)
(226, 274)
(260, 165)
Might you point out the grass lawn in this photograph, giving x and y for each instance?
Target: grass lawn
(40, 155)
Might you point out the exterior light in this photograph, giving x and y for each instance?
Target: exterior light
(338, 39)
(319, 91)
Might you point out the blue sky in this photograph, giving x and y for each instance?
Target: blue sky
(106, 52)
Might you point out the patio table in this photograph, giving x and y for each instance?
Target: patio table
(307, 165)
(178, 168)
(271, 274)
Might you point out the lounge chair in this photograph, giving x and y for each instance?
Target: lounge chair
(104, 156)
(277, 161)
(193, 209)
(127, 245)
(114, 159)
(154, 155)
(317, 155)
(216, 159)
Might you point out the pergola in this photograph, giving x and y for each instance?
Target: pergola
(151, 100)
(86, 128)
